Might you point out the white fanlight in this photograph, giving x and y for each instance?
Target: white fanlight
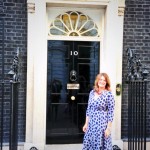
(73, 23)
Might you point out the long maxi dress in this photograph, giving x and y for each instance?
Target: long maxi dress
(100, 110)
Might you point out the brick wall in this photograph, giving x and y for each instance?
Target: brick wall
(13, 15)
(136, 37)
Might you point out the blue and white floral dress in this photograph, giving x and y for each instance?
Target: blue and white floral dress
(100, 110)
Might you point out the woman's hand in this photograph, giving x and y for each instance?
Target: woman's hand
(85, 127)
(107, 132)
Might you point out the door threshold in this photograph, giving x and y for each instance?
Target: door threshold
(63, 147)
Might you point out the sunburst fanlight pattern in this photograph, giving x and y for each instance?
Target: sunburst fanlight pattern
(73, 23)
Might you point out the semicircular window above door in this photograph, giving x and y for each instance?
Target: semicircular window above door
(73, 23)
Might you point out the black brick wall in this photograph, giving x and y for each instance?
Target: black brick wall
(14, 12)
(13, 16)
(137, 37)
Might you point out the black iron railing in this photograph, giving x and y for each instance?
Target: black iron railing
(137, 115)
(9, 106)
(14, 81)
(137, 96)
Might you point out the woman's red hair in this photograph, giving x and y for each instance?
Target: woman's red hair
(107, 87)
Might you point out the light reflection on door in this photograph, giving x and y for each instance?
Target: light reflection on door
(69, 63)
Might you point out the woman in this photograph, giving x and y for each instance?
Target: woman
(99, 116)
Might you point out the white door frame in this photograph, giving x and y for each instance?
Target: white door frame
(111, 43)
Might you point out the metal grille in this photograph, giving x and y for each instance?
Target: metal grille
(137, 115)
(137, 91)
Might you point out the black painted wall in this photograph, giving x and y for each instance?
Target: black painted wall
(137, 37)
(13, 13)
(13, 34)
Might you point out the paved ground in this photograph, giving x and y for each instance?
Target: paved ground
(64, 147)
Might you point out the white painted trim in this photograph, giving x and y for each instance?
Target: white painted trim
(97, 15)
(37, 62)
(69, 38)
(95, 3)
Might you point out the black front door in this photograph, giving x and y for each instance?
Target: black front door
(72, 67)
